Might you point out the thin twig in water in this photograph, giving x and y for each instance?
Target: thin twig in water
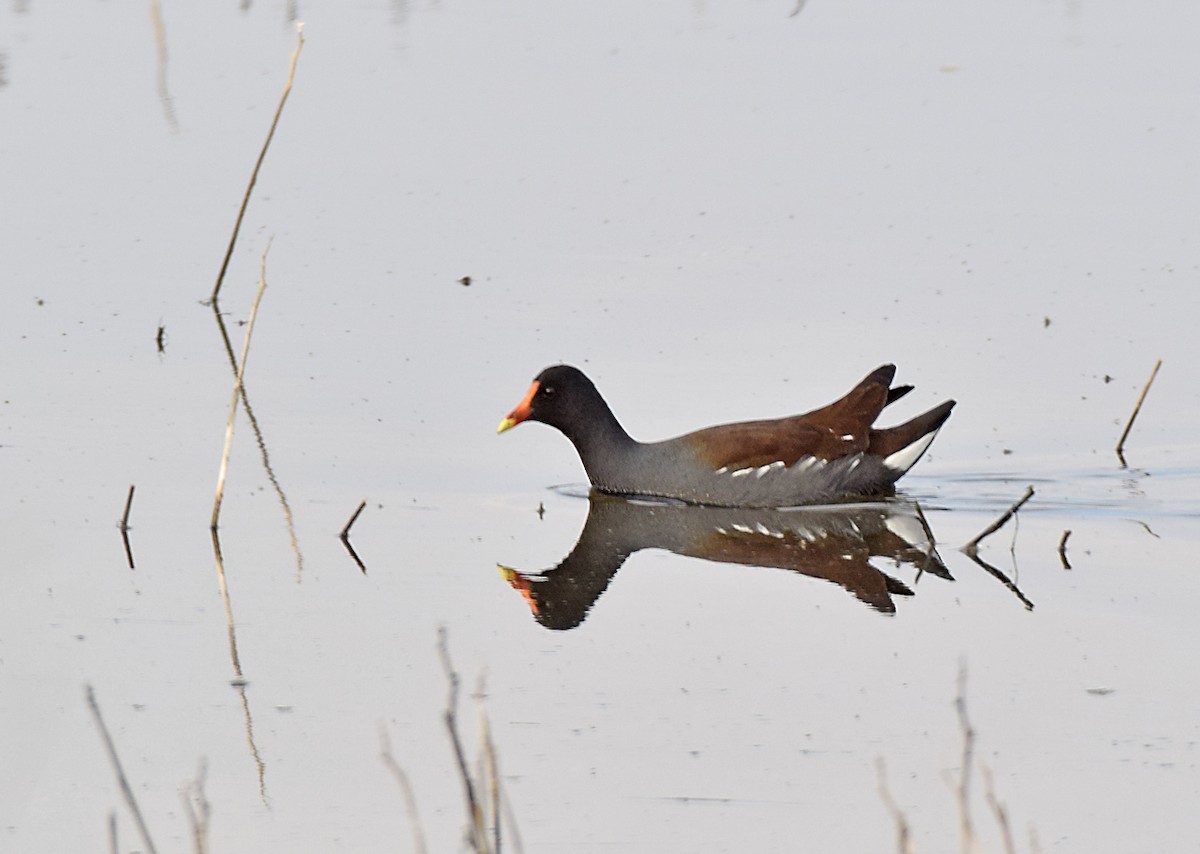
(237, 388)
(160, 43)
(488, 761)
(904, 843)
(261, 441)
(972, 547)
(475, 823)
(410, 799)
(122, 780)
(966, 830)
(1003, 579)
(128, 506)
(112, 832)
(239, 679)
(1062, 549)
(125, 528)
(353, 518)
(998, 810)
(196, 805)
(511, 822)
(1147, 527)
(345, 537)
(1136, 409)
(237, 226)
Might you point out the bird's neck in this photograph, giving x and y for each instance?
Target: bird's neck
(602, 443)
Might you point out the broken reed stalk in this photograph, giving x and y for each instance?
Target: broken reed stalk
(128, 505)
(112, 832)
(345, 535)
(237, 226)
(122, 780)
(1062, 549)
(410, 798)
(1136, 409)
(237, 388)
(124, 527)
(972, 547)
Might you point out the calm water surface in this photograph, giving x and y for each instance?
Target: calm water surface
(718, 212)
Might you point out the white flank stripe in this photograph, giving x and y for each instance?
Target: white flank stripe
(906, 458)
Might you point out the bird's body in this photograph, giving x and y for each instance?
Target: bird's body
(827, 455)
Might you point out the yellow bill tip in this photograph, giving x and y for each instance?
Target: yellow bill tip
(507, 424)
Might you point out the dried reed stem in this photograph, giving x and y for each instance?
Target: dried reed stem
(475, 815)
(999, 811)
(1062, 549)
(406, 790)
(904, 843)
(237, 389)
(198, 810)
(164, 96)
(1136, 409)
(237, 226)
(966, 829)
(261, 441)
(972, 547)
(122, 780)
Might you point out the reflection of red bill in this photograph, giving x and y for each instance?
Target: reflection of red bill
(522, 411)
(519, 582)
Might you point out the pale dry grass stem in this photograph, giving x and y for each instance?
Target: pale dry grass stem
(1136, 409)
(237, 390)
(262, 154)
(122, 780)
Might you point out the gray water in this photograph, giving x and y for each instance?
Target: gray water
(718, 211)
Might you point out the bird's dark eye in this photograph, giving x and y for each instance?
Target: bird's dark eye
(548, 390)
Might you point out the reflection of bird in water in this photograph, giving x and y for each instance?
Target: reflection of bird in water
(832, 542)
(829, 454)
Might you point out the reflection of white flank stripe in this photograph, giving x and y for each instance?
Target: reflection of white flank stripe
(744, 529)
(906, 458)
(764, 469)
(908, 528)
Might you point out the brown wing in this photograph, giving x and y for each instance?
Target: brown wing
(843, 427)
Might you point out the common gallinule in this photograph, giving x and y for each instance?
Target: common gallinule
(829, 454)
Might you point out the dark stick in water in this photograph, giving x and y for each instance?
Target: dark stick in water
(353, 518)
(1136, 409)
(972, 547)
